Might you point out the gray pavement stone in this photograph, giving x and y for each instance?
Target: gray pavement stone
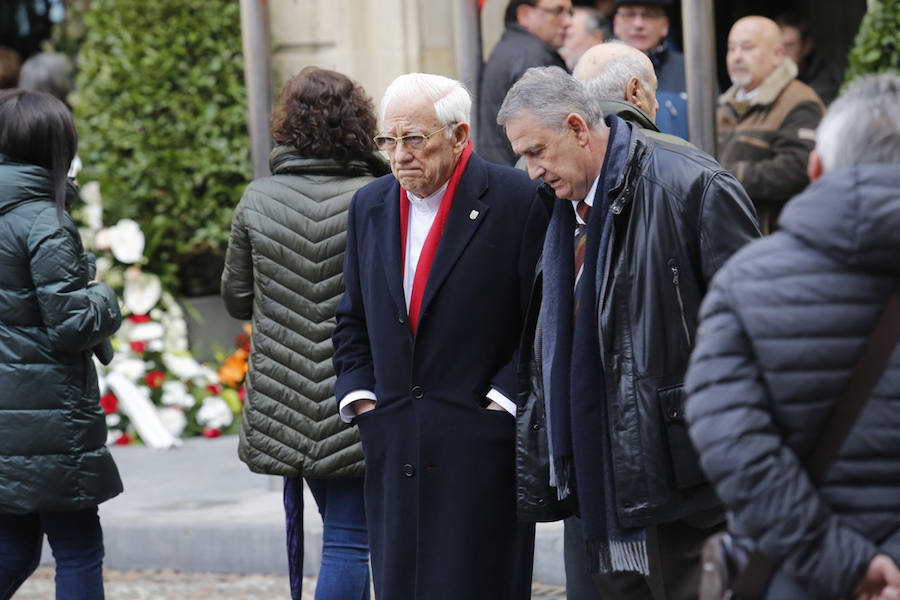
(197, 508)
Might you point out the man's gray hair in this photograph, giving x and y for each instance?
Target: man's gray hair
(47, 72)
(452, 103)
(612, 80)
(863, 125)
(550, 94)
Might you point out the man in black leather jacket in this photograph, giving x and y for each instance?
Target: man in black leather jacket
(612, 352)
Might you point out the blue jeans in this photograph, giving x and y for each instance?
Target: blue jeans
(344, 574)
(76, 541)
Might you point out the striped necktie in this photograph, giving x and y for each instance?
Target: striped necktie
(584, 211)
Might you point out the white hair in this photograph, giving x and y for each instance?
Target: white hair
(452, 103)
(863, 125)
(612, 80)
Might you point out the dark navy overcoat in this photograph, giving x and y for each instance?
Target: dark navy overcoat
(440, 472)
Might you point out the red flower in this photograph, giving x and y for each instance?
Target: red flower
(213, 389)
(242, 341)
(154, 379)
(138, 347)
(212, 432)
(109, 403)
(241, 394)
(140, 318)
(123, 440)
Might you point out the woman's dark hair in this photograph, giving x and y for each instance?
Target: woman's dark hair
(37, 128)
(324, 114)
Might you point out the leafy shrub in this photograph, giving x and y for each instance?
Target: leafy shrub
(163, 126)
(877, 45)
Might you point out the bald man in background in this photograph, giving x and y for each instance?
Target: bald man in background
(767, 118)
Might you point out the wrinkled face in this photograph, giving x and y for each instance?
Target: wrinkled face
(641, 26)
(752, 55)
(548, 20)
(554, 156)
(425, 170)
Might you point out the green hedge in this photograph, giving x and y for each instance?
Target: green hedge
(877, 45)
(162, 119)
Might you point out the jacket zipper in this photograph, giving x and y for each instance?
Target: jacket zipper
(676, 281)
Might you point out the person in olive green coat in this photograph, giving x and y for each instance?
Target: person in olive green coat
(283, 270)
(55, 467)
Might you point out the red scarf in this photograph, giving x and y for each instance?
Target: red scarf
(433, 238)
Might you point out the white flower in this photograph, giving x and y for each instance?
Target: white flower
(104, 264)
(112, 435)
(127, 241)
(175, 393)
(214, 413)
(173, 419)
(144, 332)
(155, 346)
(103, 239)
(142, 291)
(183, 367)
(132, 368)
(113, 420)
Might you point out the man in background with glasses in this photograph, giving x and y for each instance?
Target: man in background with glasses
(644, 24)
(535, 30)
(439, 263)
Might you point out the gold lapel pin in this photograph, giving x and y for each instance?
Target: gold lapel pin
(473, 215)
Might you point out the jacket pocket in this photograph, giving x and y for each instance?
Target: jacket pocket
(679, 298)
(683, 457)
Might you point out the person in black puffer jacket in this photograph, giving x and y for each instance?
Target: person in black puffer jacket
(283, 270)
(782, 328)
(55, 467)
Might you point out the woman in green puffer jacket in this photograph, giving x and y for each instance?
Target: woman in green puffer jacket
(54, 465)
(283, 270)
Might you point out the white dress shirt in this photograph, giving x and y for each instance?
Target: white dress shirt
(422, 212)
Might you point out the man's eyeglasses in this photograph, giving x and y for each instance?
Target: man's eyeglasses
(627, 14)
(415, 141)
(557, 11)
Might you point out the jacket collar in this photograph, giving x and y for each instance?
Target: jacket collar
(21, 183)
(287, 160)
(851, 214)
(768, 91)
(628, 111)
(466, 215)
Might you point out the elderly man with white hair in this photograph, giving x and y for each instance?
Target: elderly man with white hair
(439, 263)
(782, 328)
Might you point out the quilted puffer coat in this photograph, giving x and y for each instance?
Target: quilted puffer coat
(283, 271)
(782, 328)
(53, 454)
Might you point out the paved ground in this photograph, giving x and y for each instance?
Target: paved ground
(173, 585)
(195, 523)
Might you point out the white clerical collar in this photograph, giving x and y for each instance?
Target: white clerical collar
(742, 95)
(589, 200)
(429, 203)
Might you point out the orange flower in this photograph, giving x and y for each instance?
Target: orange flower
(233, 371)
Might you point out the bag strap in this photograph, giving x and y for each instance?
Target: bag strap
(862, 381)
(754, 579)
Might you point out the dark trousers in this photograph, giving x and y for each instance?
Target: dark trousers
(76, 541)
(674, 553)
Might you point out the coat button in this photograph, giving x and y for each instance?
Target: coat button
(672, 413)
(417, 392)
(401, 318)
(536, 427)
(409, 470)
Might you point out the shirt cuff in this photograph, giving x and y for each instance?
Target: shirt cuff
(504, 402)
(346, 410)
